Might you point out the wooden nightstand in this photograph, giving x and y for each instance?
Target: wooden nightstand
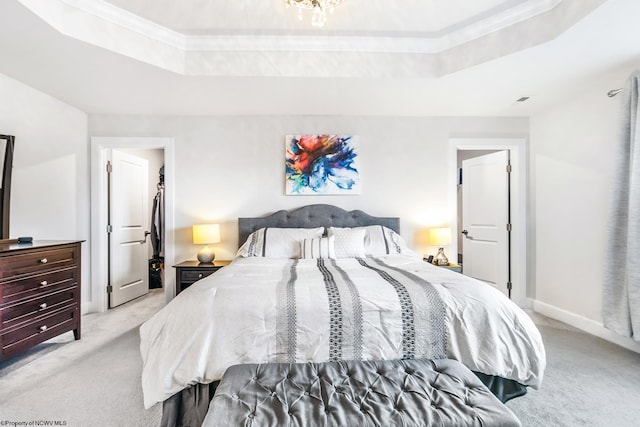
(188, 272)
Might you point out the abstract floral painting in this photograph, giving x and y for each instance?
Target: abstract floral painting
(321, 164)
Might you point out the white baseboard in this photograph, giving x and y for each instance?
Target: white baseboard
(87, 307)
(585, 324)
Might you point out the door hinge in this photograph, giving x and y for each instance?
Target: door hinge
(109, 228)
(109, 289)
(509, 285)
(508, 227)
(109, 167)
(509, 168)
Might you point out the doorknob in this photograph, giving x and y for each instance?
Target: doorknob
(142, 242)
(465, 232)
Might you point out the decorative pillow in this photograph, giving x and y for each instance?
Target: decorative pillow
(277, 242)
(400, 245)
(349, 242)
(379, 240)
(322, 247)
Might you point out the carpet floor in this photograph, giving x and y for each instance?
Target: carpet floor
(96, 381)
(91, 382)
(588, 382)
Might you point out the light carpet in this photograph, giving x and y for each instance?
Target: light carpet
(588, 382)
(91, 382)
(96, 381)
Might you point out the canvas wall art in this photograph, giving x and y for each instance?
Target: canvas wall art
(321, 164)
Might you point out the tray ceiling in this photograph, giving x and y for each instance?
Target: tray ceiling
(365, 17)
(373, 38)
(240, 57)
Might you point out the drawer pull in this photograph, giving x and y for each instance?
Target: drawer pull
(44, 261)
(43, 306)
(44, 283)
(200, 276)
(43, 328)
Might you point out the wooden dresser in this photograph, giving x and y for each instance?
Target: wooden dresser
(39, 293)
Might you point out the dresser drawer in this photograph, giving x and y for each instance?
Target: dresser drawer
(31, 262)
(16, 340)
(189, 272)
(37, 284)
(30, 310)
(190, 276)
(40, 293)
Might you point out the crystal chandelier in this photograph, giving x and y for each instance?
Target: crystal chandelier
(319, 7)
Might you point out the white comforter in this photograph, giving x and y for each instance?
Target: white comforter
(259, 310)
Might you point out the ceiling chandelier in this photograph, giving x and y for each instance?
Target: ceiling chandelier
(319, 7)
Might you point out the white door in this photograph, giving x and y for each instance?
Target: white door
(485, 219)
(129, 217)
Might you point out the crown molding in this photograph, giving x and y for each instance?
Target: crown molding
(125, 19)
(513, 26)
(429, 43)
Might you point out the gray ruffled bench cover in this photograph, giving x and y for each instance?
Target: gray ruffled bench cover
(356, 393)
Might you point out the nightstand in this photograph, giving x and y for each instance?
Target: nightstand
(188, 272)
(453, 267)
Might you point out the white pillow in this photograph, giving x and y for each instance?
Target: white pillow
(379, 240)
(321, 247)
(349, 242)
(273, 242)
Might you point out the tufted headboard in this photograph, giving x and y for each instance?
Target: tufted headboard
(313, 216)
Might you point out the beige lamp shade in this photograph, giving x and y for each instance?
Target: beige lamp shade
(440, 236)
(204, 234)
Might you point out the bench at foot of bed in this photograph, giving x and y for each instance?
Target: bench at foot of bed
(356, 393)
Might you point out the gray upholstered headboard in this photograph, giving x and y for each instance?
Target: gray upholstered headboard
(313, 216)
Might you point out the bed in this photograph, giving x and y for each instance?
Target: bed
(322, 284)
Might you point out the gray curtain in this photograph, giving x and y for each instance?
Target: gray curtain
(621, 290)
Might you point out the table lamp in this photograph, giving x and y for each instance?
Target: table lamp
(204, 234)
(440, 237)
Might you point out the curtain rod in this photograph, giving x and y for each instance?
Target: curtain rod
(613, 92)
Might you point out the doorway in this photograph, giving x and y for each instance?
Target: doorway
(100, 147)
(463, 155)
(136, 215)
(460, 148)
(484, 217)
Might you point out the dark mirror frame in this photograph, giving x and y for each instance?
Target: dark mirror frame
(5, 191)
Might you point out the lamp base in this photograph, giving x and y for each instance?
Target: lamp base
(206, 255)
(441, 258)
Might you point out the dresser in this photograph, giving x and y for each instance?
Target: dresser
(39, 293)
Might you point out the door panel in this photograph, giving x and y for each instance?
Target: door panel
(129, 217)
(485, 215)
